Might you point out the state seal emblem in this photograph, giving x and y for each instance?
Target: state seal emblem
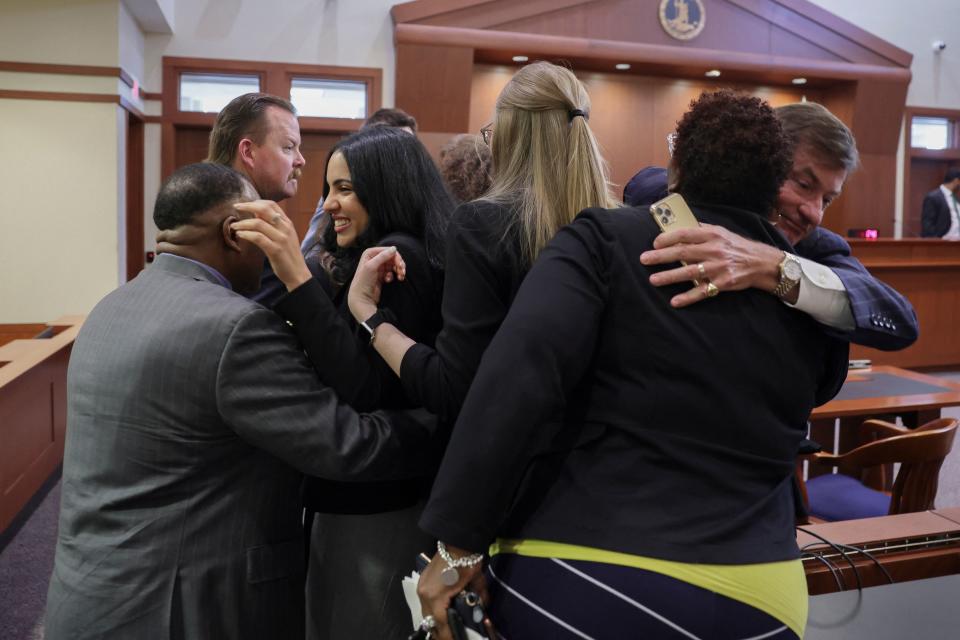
(682, 19)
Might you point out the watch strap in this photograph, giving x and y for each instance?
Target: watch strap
(374, 321)
(786, 284)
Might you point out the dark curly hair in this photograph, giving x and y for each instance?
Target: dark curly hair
(195, 189)
(466, 167)
(731, 150)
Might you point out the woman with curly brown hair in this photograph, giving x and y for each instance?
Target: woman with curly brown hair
(627, 464)
(465, 164)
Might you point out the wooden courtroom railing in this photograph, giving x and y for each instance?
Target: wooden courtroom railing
(910, 546)
(33, 395)
(927, 272)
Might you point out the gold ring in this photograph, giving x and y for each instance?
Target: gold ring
(701, 271)
(711, 290)
(276, 219)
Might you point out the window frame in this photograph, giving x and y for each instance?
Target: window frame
(275, 78)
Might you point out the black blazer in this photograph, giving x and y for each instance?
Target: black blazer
(340, 352)
(935, 216)
(483, 273)
(602, 416)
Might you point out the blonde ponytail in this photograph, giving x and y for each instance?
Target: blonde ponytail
(547, 163)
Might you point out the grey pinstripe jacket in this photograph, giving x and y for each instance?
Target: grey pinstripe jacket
(191, 414)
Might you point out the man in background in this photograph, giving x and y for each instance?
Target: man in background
(822, 279)
(940, 217)
(258, 135)
(192, 412)
(386, 117)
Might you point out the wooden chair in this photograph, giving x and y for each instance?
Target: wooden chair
(920, 453)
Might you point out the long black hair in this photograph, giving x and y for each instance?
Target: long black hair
(397, 183)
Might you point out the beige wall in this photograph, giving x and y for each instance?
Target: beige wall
(335, 32)
(59, 31)
(130, 45)
(913, 26)
(61, 168)
(58, 249)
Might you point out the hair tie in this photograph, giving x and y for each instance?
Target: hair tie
(573, 113)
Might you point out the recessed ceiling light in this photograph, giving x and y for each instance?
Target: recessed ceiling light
(799, 81)
(520, 58)
(713, 73)
(623, 66)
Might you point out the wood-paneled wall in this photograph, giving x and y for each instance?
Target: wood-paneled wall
(445, 53)
(630, 115)
(927, 272)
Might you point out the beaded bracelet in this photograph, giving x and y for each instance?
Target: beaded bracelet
(450, 576)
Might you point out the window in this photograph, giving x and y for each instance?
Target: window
(930, 133)
(326, 98)
(209, 93)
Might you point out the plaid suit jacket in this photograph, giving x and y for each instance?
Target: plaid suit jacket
(883, 318)
(191, 414)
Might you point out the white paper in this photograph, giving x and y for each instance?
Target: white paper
(409, 585)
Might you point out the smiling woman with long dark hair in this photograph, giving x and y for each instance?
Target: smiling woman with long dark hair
(398, 189)
(381, 188)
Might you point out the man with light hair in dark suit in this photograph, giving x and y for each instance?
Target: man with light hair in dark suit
(821, 277)
(191, 414)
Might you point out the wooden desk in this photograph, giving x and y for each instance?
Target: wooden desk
(880, 392)
(925, 271)
(910, 546)
(33, 376)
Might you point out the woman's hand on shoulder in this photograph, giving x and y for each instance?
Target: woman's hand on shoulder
(273, 232)
(378, 265)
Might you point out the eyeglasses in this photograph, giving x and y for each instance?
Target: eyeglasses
(487, 133)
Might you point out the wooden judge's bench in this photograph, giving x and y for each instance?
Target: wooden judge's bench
(927, 272)
(33, 398)
(913, 595)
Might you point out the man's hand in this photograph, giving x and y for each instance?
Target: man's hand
(272, 231)
(729, 261)
(377, 266)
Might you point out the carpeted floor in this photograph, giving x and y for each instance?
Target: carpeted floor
(25, 566)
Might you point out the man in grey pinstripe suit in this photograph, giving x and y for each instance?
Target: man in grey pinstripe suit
(192, 412)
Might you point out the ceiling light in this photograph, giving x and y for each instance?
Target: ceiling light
(520, 58)
(623, 66)
(713, 73)
(799, 81)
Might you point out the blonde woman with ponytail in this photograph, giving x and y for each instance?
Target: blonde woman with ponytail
(547, 168)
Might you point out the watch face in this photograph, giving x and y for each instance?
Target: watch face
(792, 270)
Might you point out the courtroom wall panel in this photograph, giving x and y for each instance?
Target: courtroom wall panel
(926, 272)
(433, 84)
(631, 115)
